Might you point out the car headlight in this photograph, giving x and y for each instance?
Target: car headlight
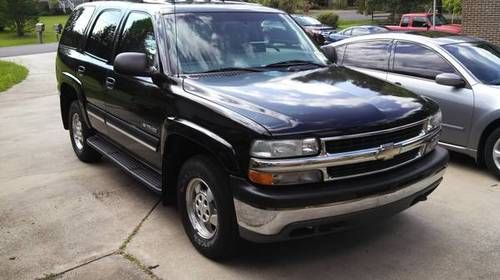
(284, 148)
(434, 122)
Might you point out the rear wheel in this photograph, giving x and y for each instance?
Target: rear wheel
(492, 152)
(206, 208)
(79, 133)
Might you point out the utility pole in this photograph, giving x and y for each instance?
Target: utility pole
(434, 15)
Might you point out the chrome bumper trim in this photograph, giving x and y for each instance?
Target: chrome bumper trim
(272, 221)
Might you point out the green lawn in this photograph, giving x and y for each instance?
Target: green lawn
(8, 38)
(348, 23)
(11, 74)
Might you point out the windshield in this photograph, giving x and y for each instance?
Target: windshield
(208, 42)
(440, 20)
(305, 21)
(481, 58)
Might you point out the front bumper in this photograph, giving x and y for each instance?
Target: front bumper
(278, 213)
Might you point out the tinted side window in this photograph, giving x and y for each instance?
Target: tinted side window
(419, 22)
(100, 41)
(74, 29)
(138, 36)
(405, 21)
(359, 31)
(371, 54)
(415, 60)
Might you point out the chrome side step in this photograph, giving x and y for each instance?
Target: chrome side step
(127, 163)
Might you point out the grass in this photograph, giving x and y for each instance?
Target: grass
(9, 38)
(11, 74)
(341, 24)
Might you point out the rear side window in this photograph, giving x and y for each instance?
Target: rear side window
(415, 60)
(74, 29)
(369, 54)
(138, 36)
(419, 22)
(100, 41)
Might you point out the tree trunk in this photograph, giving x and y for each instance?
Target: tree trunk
(19, 29)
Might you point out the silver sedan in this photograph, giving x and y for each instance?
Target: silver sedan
(460, 73)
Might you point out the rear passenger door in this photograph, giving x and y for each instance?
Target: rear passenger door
(136, 105)
(415, 68)
(369, 57)
(95, 65)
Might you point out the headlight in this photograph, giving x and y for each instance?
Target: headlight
(434, 122)
(284, 148)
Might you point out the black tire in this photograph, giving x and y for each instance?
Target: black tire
(226, 239)
(489, 146)
(82, 150)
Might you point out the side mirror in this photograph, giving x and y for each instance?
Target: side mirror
(330, 53)
(133, 64)
(450, 79)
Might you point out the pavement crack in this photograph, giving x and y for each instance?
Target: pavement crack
(136, 229)
(52, 276)
(131, 258)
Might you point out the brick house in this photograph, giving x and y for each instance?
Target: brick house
(481, 18)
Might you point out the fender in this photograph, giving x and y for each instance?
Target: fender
(72, 81)
(220, 148)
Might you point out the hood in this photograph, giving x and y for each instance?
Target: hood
(333, 100)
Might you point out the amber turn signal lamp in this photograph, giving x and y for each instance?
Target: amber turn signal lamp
(261, 178)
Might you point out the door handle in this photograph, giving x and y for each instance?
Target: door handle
(398, 83)
(80, 70)
(110, 83)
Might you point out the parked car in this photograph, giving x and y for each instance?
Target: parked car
(254, 134)
(318, 31)
(355, 31)
(460, 73)
(423, 22)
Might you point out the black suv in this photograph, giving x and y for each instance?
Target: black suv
(232, 110)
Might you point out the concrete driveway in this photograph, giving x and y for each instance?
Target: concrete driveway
(60, 218)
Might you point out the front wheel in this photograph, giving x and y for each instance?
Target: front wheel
(492, 152)
(206, 208)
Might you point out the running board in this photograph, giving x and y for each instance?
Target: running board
(130, 165)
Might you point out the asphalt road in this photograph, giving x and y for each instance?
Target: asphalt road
(59, 216)
(27, 49)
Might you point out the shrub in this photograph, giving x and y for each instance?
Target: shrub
(289, 6)
(329, 18)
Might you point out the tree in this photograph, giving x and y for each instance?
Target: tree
(395, 7)
(19, 14)
(453, 6)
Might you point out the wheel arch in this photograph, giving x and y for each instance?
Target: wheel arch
(492, 125)
(182, 140)
(70, 90)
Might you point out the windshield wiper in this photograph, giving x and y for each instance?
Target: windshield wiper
(229, 69)
(289, 63)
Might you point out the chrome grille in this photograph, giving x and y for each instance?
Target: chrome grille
(371, 141)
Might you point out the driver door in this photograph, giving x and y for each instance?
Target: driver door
(136, 106)
(415, 67)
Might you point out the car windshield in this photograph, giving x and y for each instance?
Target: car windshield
(305, 21)
(212, 42)
(440, 20)
(481, 58)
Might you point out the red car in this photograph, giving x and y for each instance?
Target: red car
(423, 22)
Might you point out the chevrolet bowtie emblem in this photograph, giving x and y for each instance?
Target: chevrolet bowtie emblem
(387, 151)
